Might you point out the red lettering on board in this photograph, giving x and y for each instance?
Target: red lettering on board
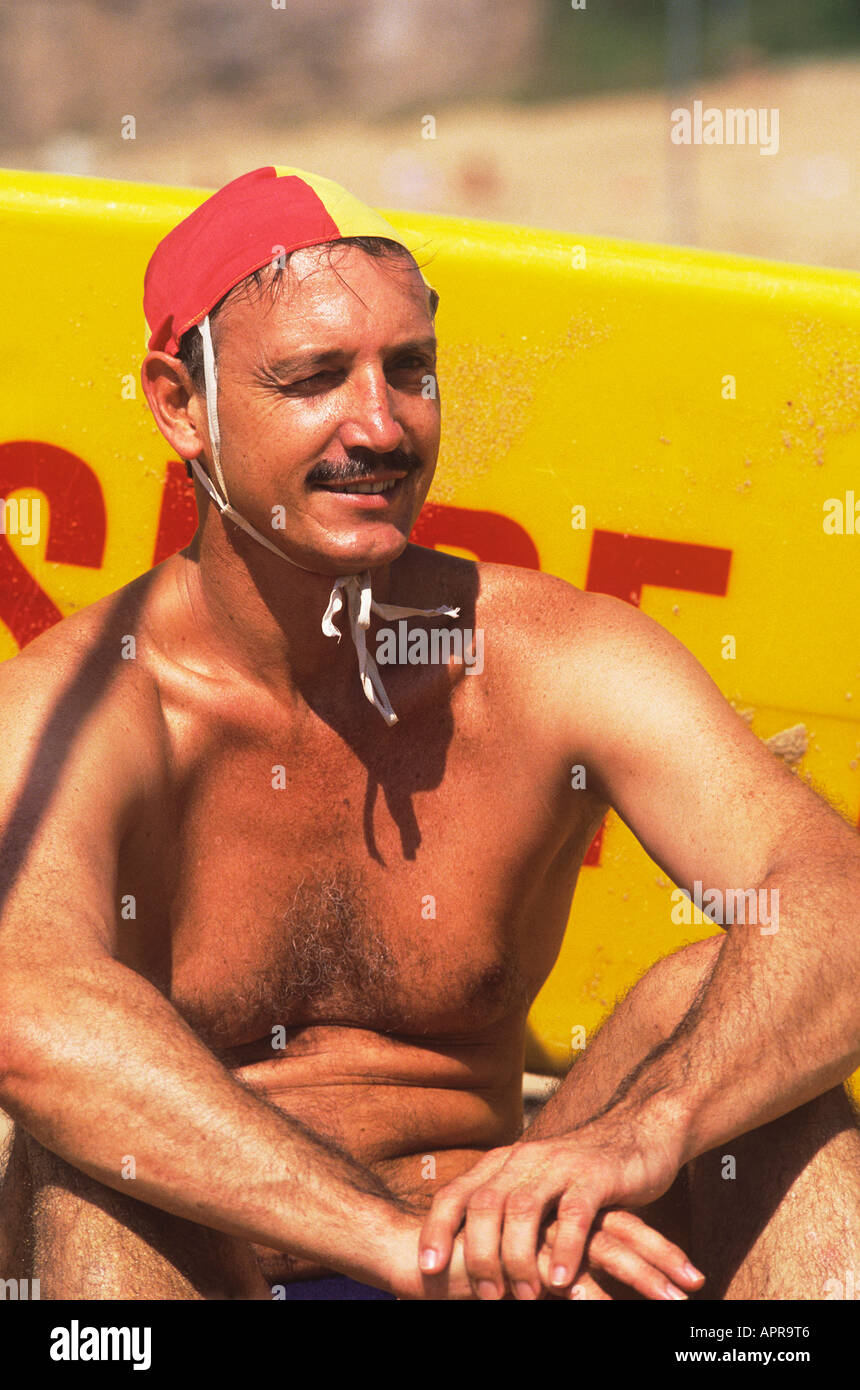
(77, 528)
(492, 537)
(621, 563)
(177, 520)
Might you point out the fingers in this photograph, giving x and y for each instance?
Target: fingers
(440, 1228)
(501, 1236)
(447, 1213)
(653, 1247)
(625, 1264)
(484, 1218)
(501, 1205)
(573, 1223)
(521, 1243)
(623, 1246)
(502, 1242)
(503, 1221)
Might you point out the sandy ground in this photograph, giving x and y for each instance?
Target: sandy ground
(601, 166)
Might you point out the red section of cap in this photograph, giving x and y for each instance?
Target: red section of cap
(245, 225)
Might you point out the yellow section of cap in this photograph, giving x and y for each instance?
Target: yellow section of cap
(351, 216)
(354, 218)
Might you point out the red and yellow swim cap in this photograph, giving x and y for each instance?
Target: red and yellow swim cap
(243, 227)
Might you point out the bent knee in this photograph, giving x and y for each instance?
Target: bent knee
(671, 985)
(690, 967)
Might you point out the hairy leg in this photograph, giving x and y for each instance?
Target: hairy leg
(775, 1213)
(647, 1015)
(83, 1240)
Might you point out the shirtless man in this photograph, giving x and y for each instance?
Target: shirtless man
(232, 1034)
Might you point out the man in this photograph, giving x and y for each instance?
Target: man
(273, 918)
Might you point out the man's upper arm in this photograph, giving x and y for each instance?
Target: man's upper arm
(67, 777)
(701, 793)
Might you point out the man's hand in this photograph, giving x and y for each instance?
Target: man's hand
(512, 1195)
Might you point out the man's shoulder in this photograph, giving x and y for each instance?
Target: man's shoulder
(488, 586)
(581, 652)
(540, 631)
(559, 617)
(533, 604)
(80, 678)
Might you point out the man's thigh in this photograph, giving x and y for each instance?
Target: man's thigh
(81, 1239)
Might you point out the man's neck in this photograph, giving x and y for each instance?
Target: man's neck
(263, 616)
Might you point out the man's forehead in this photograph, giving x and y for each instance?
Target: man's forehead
(327, 293)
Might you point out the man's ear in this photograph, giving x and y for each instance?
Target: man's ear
(178, 411)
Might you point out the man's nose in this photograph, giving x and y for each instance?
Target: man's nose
(370, 422)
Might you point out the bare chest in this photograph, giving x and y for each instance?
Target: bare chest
(418, 886)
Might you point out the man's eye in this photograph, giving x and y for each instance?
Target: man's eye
(412, 364)
(319, 381)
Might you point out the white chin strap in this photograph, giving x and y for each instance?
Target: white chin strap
(359, 597)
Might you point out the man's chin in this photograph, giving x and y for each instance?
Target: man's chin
(365, 532)
(355, 553)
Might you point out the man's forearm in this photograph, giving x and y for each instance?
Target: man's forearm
(105, 1073)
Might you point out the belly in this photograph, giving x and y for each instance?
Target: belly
(386, 1098)
(416, 1112)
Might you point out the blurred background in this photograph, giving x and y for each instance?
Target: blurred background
(550, 113)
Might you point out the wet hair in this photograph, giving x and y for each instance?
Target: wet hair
(190, 352)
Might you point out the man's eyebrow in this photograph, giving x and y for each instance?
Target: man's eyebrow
(286, 366)
(416, 345)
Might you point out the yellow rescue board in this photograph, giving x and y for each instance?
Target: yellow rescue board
(676, 427)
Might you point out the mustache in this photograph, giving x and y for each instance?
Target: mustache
(362, 463)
